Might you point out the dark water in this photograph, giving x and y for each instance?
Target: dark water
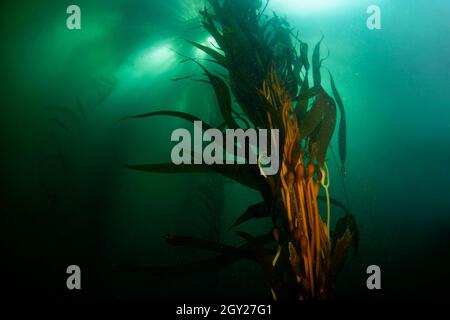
(67, 200)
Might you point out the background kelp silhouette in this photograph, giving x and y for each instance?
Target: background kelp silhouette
(269, 78)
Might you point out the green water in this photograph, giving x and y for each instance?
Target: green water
(90, 211)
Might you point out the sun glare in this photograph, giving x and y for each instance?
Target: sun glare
(307, 6)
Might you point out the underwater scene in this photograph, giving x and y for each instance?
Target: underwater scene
(208, 150)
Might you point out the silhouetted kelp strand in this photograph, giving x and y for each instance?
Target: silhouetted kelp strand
(208, 24)
(303, 100)
(342, 124)
(64, 110)
(317, 64)
(256, 211)
(327, 127)
(265, 260)
(347, 222)
(223, 96)
(248, 175)
(230, 256)
(213, 53)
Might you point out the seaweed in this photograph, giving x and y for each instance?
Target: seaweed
(317, 63)
(325, 131)
(267, 76)
(342, 124)
(256, 211)
(226, 255)
(348, 222)
(220, 59)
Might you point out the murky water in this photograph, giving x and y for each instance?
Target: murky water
(67, 200)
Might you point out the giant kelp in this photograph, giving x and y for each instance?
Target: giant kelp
(268, 76)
